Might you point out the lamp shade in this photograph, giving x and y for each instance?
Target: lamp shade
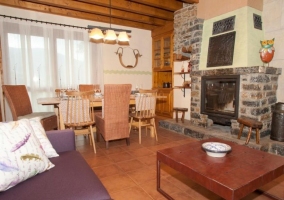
(123, 37)
(96, 34)
(110, 35)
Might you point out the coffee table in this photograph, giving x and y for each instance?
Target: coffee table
(234, 176)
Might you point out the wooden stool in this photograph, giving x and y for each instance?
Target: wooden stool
(183, 110)
(251, 123)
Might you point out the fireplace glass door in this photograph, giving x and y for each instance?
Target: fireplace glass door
(220, 98)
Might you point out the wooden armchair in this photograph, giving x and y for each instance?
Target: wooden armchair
(145, 111)
(76, 113)
(113, 122)
(20, 105)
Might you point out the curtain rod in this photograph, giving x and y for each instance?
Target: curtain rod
(32, 20)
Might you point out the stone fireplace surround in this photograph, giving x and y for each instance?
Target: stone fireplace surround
(258, 86)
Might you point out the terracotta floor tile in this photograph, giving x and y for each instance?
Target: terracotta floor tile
(117, 182)
(121, 156)
(112, 150)
(148, 160)
(132, 146)
(142, 175)
(151, 188)
(183, 196)
(107, 170)
(135, 193)
(99, 161)
(130, 165)
(141, 152)
(129, 172)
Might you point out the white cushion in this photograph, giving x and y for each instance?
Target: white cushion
(41, 136)
(21, 155)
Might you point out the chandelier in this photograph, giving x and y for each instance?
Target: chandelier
(108, 34)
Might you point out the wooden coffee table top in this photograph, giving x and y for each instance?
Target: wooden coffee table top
(234, 176)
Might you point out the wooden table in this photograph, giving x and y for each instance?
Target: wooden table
(234, 176)
(55, 101)
(95, 102)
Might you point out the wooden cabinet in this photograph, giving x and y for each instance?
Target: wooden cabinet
(164, 106)
(162, 67)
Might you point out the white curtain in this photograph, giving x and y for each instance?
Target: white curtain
(45, 57)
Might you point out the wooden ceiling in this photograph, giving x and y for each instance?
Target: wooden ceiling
(143, 14)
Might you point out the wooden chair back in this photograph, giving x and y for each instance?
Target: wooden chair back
(18, 100)
(88, 87)
(146, 103)
(75, 110)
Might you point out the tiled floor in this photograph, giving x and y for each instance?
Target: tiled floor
(129, 172)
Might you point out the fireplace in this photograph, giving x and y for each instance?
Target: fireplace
(220, 98)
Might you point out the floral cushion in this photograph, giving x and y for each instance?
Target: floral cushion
(41, 136)
(21, 155)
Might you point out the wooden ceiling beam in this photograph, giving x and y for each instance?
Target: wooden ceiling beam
(75, 14)
(189, 1)
(133, 7)
(170, 5)
(100, 10)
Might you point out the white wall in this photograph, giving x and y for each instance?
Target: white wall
(273, 23)
(113, 71)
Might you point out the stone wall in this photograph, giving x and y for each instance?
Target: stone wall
(258, 87)
(188, 32)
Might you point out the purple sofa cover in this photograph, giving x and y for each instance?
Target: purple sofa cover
(71, 178)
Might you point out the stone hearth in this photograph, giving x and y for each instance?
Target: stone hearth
(222, 132)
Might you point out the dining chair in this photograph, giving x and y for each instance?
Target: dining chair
(20, 105)
(113, 122)
(88, 87)
(75, 113)
(145, 111)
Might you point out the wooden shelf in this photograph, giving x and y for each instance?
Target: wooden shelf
(182, 87)
(159, 69)
(182, 73)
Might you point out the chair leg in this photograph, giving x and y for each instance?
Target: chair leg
(176, 116)
(257, 136)
(130, 124)
(127, 141)
(106, 144)
(241, 131)
(249, 134)
(139, 124)
(92, 139)
(154, 127)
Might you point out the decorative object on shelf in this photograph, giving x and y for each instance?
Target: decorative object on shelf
(266, 51)
(97, 32)
(184, 55)
(120, 54)
(182, 68)
(189, 66)
(216, 149)
(186, 84)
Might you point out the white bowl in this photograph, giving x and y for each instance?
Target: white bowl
(216, 149)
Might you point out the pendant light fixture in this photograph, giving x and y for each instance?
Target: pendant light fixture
(110, 34)
(96, 34)
(123, 37)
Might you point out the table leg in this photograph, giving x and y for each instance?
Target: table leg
(159, 182)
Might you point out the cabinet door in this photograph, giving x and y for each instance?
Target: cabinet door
(164, 106)
(167, 51)
(157, 53)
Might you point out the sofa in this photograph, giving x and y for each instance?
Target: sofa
(71, 178)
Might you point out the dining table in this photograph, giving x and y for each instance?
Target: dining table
(55, 101)
(95, 102)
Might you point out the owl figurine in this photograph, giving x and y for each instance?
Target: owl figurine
(267, 50)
